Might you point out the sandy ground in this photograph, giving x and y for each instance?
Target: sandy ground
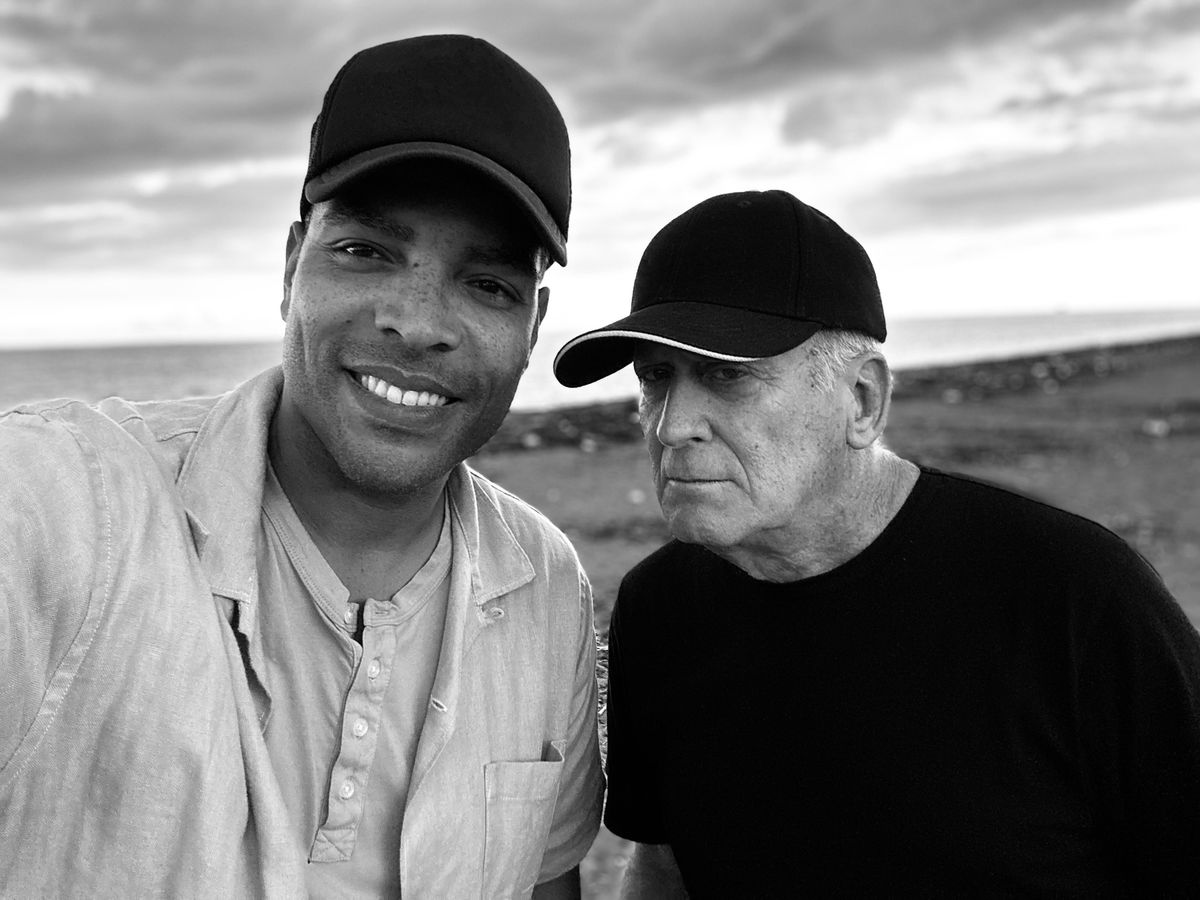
(1110, 433)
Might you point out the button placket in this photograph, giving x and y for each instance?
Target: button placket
(349, 780)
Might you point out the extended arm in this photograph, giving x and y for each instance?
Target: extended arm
(51, 547)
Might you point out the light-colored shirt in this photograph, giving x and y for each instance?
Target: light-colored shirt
(134, 687)
(345, 716)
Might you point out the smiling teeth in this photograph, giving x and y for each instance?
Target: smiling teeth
(400, 397)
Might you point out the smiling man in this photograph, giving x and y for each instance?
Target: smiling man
(849, 675)
(285, 642)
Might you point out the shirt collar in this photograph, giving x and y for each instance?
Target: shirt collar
(222, 482)
(498, 562)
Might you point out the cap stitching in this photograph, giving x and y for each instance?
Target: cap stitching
(675, 261)
(799, 308)
(317, 150)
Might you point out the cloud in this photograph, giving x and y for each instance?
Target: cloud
(185, 221)
(160, 88)
(680, 54)
(161, 135)
(213, 79)
(1001, 192)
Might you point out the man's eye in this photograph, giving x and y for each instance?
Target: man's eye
(497, 290)
(650, 374)
(359, 251)
(726, 373)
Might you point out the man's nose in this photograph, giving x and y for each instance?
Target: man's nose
(421, 309)
(679, 414)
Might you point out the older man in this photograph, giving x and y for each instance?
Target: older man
(848, 675)
(283, 642)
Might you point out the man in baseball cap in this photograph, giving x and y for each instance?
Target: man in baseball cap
(284, 642)
(849, 675)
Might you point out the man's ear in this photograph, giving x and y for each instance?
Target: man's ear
(543, 303)
(870, 381)
(294, 239)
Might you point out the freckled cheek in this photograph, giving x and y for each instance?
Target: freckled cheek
(315, 330)
(317, 309)
(508, 343)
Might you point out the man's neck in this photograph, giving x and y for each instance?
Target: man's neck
(374, 543)
(866, 499)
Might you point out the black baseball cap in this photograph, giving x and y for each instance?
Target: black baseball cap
(451, 97)
(739, 277)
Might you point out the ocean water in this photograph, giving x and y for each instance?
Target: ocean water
(160, 371)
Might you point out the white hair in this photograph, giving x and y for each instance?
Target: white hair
(832, 350)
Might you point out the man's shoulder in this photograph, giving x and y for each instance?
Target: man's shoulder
(1002, 506)
(147, 421)
(48, 444)
(73, 463)
(676, 579)
(1022, 525)
(74, 448)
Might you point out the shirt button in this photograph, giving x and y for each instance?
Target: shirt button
(346, 791)
(349, 615)
(360, 727)
(373, 669)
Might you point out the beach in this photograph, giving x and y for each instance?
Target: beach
(1111, 433)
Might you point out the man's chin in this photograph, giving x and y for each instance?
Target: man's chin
(396, 475)
(705, 527)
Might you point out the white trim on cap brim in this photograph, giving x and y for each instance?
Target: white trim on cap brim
(643, 336)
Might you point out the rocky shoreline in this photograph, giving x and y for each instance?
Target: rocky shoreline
(590, 426)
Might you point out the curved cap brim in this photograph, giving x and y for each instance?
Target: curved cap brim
(323, 186)
(720, 332)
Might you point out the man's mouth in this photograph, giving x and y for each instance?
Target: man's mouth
(398, 395)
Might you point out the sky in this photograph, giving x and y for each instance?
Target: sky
(994, 156)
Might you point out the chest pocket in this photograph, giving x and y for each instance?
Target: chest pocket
(520, 800)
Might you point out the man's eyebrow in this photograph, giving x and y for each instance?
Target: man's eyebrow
(522, 260)
(511, 257)
(372, 221)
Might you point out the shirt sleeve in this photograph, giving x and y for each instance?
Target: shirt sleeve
(1139, 684)
(53, 542)
(632, 809)
(581, 790)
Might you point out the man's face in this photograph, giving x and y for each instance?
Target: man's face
(739, 451)
(411, 306)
